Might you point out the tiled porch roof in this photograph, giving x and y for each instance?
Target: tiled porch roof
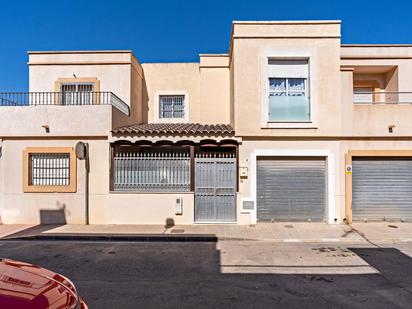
(176, 129)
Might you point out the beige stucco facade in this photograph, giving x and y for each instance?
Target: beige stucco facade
(219, 89)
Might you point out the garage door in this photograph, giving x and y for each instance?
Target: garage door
(291, 189)
(382, 189)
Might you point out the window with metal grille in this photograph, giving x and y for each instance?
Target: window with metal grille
(152, 171)
(171, 106)
(49, 169)
(77, 93)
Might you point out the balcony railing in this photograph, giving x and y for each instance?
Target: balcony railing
(77, 98)
(383, 97)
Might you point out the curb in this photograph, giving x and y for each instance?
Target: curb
(187, 238)
(137, 238)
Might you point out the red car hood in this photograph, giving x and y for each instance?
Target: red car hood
(28, 286)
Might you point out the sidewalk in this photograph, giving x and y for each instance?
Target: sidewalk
(277, 232)
(10, 229)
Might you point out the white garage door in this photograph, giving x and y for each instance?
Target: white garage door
(291, 189)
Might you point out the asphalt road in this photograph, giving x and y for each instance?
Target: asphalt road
(188, 275)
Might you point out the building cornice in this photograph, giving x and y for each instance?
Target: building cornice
(126, 51)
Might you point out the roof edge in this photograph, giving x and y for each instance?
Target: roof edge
(214, 55)
(376, 45)
(125, 51)
(286, 22)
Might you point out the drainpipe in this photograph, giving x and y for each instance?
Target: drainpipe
(82, 153)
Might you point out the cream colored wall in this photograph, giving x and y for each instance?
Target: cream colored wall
(250, 146)
(105, 207)
(214, 89)
(149, 208)
(20, 207)
(113, 78)
(24, 121)
(206, 85)
(385, 145)
(337, 148)
(286, 29)
(251, 46)
(374, 120)
(171, 78)
(117, 71)
(398, 57)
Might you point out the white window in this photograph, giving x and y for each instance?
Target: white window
(172, 106)
(288, 82)
(77, 93)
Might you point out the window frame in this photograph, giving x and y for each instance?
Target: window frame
(289, 54)
(79, 80)
(28, 187)
(156, 108)
(173, 105)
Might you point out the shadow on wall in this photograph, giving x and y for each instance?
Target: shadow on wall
(53, 216)
(145, 101)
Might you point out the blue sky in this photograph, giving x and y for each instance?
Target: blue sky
(175, 31)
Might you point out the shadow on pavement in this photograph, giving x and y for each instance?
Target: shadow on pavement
(187, 275)
(32, 231)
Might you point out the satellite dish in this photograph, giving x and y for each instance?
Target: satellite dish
(81, 150)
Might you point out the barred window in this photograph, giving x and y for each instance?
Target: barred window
(172, 106)
(152, 171)
(77, 93)
(49, 169)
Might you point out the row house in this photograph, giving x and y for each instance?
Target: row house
(289, 125)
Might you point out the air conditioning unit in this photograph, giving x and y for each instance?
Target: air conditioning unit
(179, 206)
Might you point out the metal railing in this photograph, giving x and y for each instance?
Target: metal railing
(383, 97)
(152, 172)
(66, 98)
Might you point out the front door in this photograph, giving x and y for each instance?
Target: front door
(215, 189)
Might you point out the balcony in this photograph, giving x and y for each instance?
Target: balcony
(61, 113)
(78, 98)
(381, 97)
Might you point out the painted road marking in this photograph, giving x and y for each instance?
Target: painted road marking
(330, 239)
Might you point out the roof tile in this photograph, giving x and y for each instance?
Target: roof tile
(176, 129)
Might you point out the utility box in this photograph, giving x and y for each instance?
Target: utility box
(179, 206)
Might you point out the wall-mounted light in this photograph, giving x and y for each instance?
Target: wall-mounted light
(46, 127)
(74, 75)
(390, 128)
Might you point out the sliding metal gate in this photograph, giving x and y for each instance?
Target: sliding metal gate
(215, 189)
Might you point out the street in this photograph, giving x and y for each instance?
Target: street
(227, 274)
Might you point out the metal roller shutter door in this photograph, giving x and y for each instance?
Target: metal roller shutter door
(382, 189)
(291, 189)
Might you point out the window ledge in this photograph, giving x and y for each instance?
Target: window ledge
(289, 125)
(170, 120)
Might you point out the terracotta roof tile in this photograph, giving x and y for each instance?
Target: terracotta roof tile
(176, 129)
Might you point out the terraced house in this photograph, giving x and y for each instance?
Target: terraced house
(289, 125)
